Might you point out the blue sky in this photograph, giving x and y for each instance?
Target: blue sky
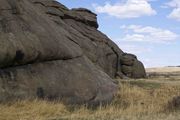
(148, 28)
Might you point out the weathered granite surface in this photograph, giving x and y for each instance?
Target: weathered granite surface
(52, 52)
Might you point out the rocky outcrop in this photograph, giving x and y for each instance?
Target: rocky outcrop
(131, 67)
(51, 52)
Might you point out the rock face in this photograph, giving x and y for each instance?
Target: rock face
(49, 51)
(131, 67)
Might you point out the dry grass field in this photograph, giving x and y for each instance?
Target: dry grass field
(143, 99)
(164, 69)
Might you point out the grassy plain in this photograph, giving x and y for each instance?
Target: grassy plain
(143, 99)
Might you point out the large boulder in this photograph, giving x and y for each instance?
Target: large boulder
(132, 67)
(73, 81)
(138, 70)
(51, 52)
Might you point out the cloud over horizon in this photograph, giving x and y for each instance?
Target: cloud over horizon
(140, 33)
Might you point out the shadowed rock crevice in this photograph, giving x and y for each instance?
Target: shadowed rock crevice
(15, 6)
(40, 92)
(48, 51)
(19, 55)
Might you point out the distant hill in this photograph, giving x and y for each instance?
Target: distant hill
(173, 66)
(168, 69)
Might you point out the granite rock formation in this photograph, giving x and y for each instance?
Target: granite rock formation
(52, 52)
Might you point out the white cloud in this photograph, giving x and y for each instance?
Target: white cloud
(173, 3)
(128, 9)
(148, 34)
(175, 14)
